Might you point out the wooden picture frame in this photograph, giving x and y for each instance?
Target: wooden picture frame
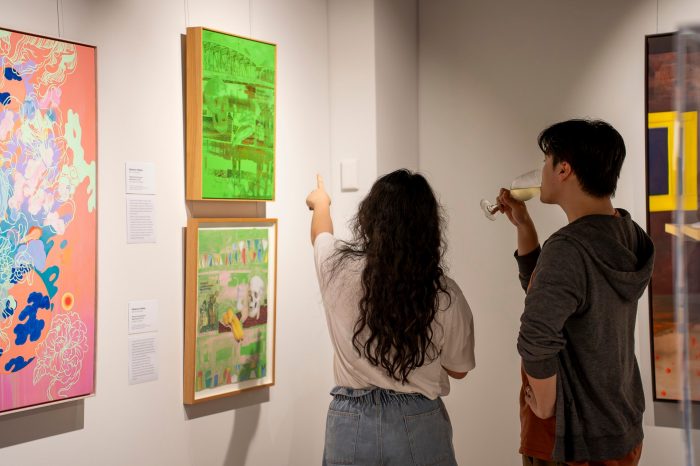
(230, 306)
(48, 232)
(231, 92)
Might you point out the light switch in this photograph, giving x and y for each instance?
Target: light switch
(348, 175)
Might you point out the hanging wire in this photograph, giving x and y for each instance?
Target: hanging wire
(59, 16)
(250, 20)
(187, 14)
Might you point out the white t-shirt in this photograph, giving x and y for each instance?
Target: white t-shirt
(453, 331)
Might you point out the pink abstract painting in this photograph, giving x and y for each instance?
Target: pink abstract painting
(48, 220)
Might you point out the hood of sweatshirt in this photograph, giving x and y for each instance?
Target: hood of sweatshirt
(622, 252)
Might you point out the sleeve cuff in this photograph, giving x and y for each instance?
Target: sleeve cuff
(541, 369)
(463, 367)
(322, 243)
(527, 262)
(322, 235)
(323, 248)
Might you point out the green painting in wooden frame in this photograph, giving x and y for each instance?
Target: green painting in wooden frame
(231, 96)
(230, 306)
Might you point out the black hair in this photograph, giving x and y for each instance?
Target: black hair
(593, 148)
(397, 231)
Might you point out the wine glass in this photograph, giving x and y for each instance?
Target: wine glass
(523, 188)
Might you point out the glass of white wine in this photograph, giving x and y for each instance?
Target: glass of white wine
(523, 188)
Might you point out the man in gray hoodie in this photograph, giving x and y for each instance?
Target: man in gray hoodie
(581, 379)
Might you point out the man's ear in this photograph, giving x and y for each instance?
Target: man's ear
(564, 170)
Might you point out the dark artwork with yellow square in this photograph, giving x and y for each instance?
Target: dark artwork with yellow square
(664, 180)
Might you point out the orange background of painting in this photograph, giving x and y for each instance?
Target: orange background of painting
(77, 261)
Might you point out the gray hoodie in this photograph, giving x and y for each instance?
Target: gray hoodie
(578, 323)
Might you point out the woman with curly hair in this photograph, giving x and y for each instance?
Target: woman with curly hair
(399, 326)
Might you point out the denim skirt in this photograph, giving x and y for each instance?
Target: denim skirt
(384, 427)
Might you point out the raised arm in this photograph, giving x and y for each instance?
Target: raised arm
(319, 201)
(540, 393)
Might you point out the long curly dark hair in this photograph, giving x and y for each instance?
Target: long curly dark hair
(398, 232)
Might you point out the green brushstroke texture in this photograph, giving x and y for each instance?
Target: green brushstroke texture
(238, 118)
(211, 356)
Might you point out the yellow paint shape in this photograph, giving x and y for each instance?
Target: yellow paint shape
(667, 202)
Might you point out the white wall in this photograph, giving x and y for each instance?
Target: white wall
(492, 75)
(353, 114)
(373, 85)
(140, 119)
(396, 33)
